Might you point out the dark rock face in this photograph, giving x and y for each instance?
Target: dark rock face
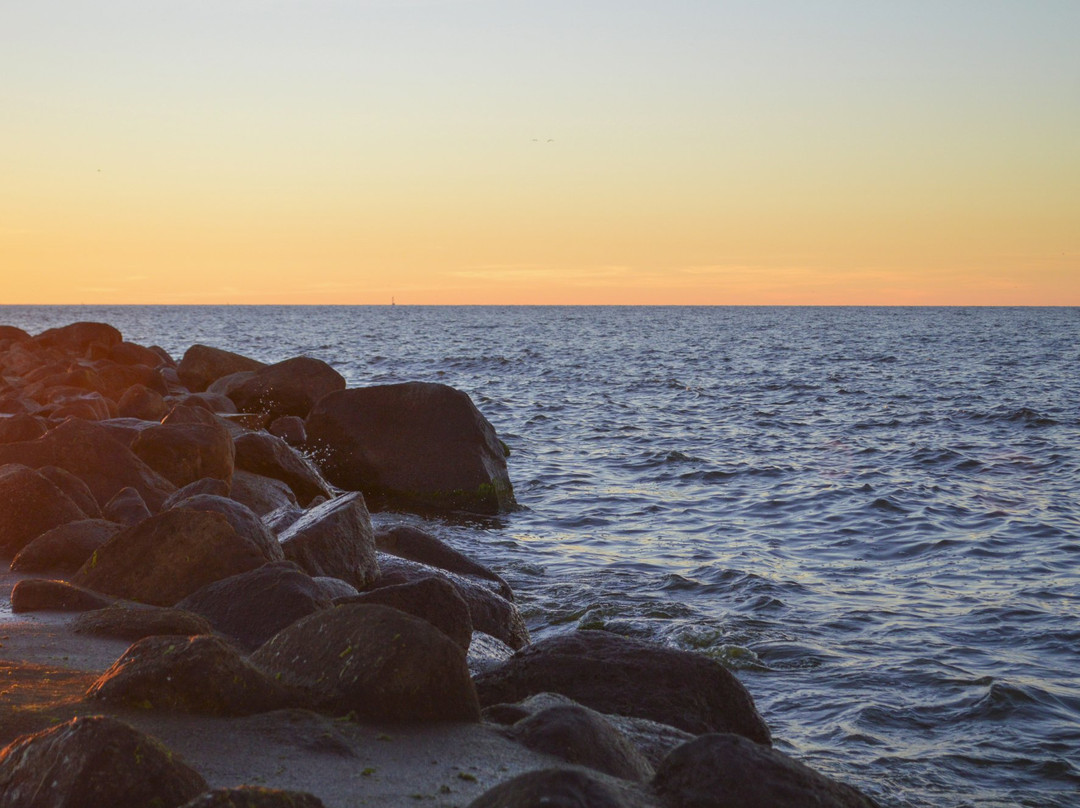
(129, 353)
(433, 599)
(335, 540)
(20, 427)
(139, 401)
(261, 494)
(41, 595)
(377, 662)
(624, 676)
(201, 674)
(64, 548)
(262, 453)
(29, 506)
(729, 771)
(584, 737)
(254, 606)
(77, 338)
(411, 445)
(243, 520)
(76, 489)
(287, 388)
(489, 612)
(92, 454)
(405, 541)
(290, 428)
(167, 557)
(254, 797)
(90, 763)
(561, 788)
(207, 485)
(185, 452)
(202, 365)
(126, 508)
(131, 624)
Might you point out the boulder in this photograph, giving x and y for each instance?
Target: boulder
(433, 599)
(281, 518)
(414, 445)
(10, 332)
(486, 653)
(114, 379)
(21, 426)
(186, 452)
(489, 612)
(93, 455)
(90, 762)
(583, 737)
(290, 428)
(41, 595)
(730, 771)
(129, 353)
(202, 365)
(200, 674)
(254, 606)
(139, 401)
(64, 548)
(334, 539)
(206, 485)
(165, 558)
(134, 623)
(126, 508)
(287, 388)
(262, 453)
(625, 676)
(376, 662)
(87, 406)
(78, 491)
(254, 797)
(243, 520)
(405, 541)
(232, 381)
(30, 505)
(211, 402)
(563, 788)
(76, 338)
(262, 494)
(334, 588)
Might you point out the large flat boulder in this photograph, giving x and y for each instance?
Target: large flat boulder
(376, 662)
(626, 676)
(76, 338)
(165, 558)
(287, 388)
(414, 445)
(93, 762)
(201, 365)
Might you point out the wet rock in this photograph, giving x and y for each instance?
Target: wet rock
(201, 674)
(21, 426)
(243, 520)
(374, 661)
(76, 489)
(415, 445)
(290, 428)
(254, 797)
(30, 505)
(165, 558)
(405, 541)
(624, 676)
(335, 540)
(76, 338)
(186, 452)
(562, 788)
(90, 762)
(262, 453)
(281, 518)
(230, 382)
(584, 737)
(261, 494)
(287, 388)
(93, 455)
(486, 653)
(206, 485)
(139, 401)
(126, 508)
(65, 548)
(202, 365)
(88, 407)
(40, 595)
(730, 771)
(489, 612)
(254, 606)
(334, 588)
(135, 623)
(433, 599)
(129, 353)
(211, 402)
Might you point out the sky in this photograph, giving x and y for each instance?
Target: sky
(924, 152)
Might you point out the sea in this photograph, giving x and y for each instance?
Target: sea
(871, 515)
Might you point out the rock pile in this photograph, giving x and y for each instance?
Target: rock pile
(177, 506)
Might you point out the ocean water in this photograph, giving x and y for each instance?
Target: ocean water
(871, 514)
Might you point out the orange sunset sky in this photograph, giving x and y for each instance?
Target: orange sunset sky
(460, 151)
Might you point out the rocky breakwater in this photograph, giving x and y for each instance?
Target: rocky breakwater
(174, 506)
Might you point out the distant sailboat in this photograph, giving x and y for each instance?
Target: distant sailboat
(392, 303)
